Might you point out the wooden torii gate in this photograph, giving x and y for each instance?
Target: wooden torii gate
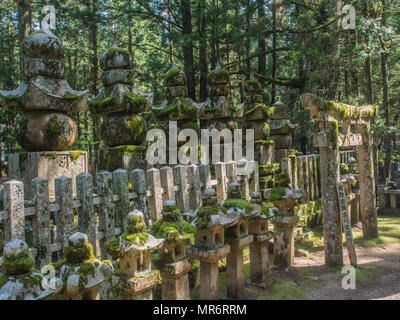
(329, 114)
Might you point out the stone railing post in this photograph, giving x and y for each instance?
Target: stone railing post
(106, 209)
(86, 221)
(367, 184)
(13, 201)
(41, 221)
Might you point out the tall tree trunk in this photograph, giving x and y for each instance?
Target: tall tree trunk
(188, 48)
(202, 50)
(25, 26)
(385, 98)
(262, 62)
(274, 39)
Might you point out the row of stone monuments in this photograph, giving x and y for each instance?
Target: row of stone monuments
(219, 230)
(46, 101)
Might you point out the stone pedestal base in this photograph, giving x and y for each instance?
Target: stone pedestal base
(124, 157)
(26, 166)
(209, 272)
(259, 260)
(175, 281)
(234, 268)
(284, 240)
(283, 153)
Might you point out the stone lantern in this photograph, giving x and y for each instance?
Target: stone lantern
(121, 103)
(82, 272)
(284, 221)
(19, 281)
(45, 128)
(137, 279)
(258, 227)
(177, 106)
(281, 132)
(173, 262)
(256, 116)
(209, 246)
(238, 237)
(218, 111)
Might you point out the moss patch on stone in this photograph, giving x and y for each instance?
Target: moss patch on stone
(277, 193)
(75, 255)
(112, 51)
(18, 265)
(74, 155)
(239, 203)
(204, 214)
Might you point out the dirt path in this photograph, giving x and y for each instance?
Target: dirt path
(380, 281)
(377, 277)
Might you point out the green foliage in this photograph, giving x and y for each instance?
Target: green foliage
(75, 255)
(21, 264)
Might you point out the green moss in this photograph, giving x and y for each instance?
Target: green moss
(239, 203)
(192, 125)
(74, 155)
(37, 32)
(137, 127)
(285, 291)
(188, 108)
(264, 142)
(132, 238)
(137, 102)
(265, 208)
(161, 113)
(282, 180)
(220, 76)
(100, 102)
(112, 248)
(87, 268)
(172, 74)
(136, 225)
(204, 214)
(277, 193)
(10, 97)
(266, 130)
(53, 128)
(76, 255)
(129, 148)
(112, 51)
(18, 265)
(69, 95)
(334, 134)
(57, 265)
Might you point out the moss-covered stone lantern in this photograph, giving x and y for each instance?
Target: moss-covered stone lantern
(177, 106)
(284, 221)
(256, 115)
(173, 262)
(121, 103)
(136, 278)
(258, 227)
(209, 246)
(46, 102)
(20, 281)
(281, 131)
(81, 272)
(218, 111)
(238, 237)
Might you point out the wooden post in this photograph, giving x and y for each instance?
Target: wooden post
(155, 200)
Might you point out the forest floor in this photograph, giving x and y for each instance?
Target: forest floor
(377, 274)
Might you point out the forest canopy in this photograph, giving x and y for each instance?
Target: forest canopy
(290, 46)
